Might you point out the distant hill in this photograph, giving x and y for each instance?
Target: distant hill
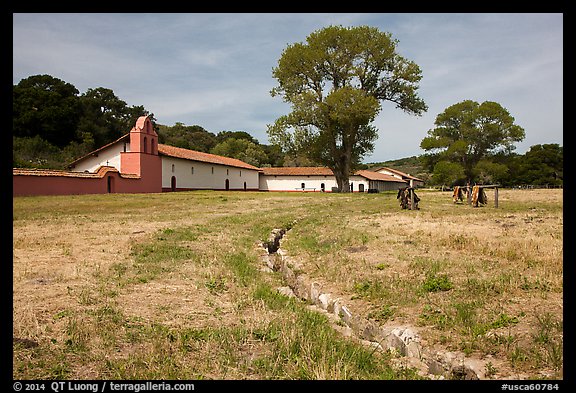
(409, 165)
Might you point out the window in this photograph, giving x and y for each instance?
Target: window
(192, 170)
(124, 147)
(227, 172)
(212, 170)
(145, 145)
(240, 172)
(152, 146)
(302, 186)
(172, 168)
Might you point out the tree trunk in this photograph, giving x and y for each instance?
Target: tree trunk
(343, 164)
(342, 180)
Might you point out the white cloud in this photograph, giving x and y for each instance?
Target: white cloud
(215, 70)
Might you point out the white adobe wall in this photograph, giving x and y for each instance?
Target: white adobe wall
(294, 183)
(109, 156)
(206, 176)
(311, 183)
(355, 182)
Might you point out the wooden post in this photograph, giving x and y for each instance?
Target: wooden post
(469, 197)
(496, 197)
(411, 194)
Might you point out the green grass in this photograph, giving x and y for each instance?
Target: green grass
(186, 298)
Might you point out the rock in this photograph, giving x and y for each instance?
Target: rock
(336, 306)
(314, 292)
(324, 301)
(286, 291)
(301, 288)
(345, 314)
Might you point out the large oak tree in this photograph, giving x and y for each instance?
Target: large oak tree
(335, 83)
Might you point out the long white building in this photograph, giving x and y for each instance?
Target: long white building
(136, 163)
(322, 179)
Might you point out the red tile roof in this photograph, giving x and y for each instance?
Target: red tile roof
(324, 171)
(370, 175)
(404, 175)
(186, 154)
(103, 170)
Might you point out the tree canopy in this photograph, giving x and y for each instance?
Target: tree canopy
(54, 125)
(242, 149)
(469, 134)
(542, 164)
(46, 106)
(335, 83)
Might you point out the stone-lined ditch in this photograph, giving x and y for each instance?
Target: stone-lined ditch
(403, 340)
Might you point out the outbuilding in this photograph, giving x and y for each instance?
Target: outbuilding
(416, 182)
(322, 179)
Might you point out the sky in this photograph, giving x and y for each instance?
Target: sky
(215, 70)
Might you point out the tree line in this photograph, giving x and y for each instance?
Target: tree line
(53, 124)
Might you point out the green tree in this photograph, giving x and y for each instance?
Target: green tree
(542, 164)
(106, 116)
(34, 152)
(274, 154)
(488, 172)
(45, 106)
(242, 149)
(335, 83)
(468, 133)
(447, 173)
(223, 135)
(188, 137)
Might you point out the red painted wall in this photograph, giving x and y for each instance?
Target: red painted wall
(25, 185)
(147, 166)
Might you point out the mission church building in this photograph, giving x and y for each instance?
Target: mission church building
(182, 169)
(137, 163)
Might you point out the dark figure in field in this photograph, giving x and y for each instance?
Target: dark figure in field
(405, 197)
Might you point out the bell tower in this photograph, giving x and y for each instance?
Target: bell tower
(143, 159)
(143, 138)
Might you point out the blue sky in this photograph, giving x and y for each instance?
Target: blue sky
(215, 70)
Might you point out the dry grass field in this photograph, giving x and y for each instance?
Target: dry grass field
(171, 286)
